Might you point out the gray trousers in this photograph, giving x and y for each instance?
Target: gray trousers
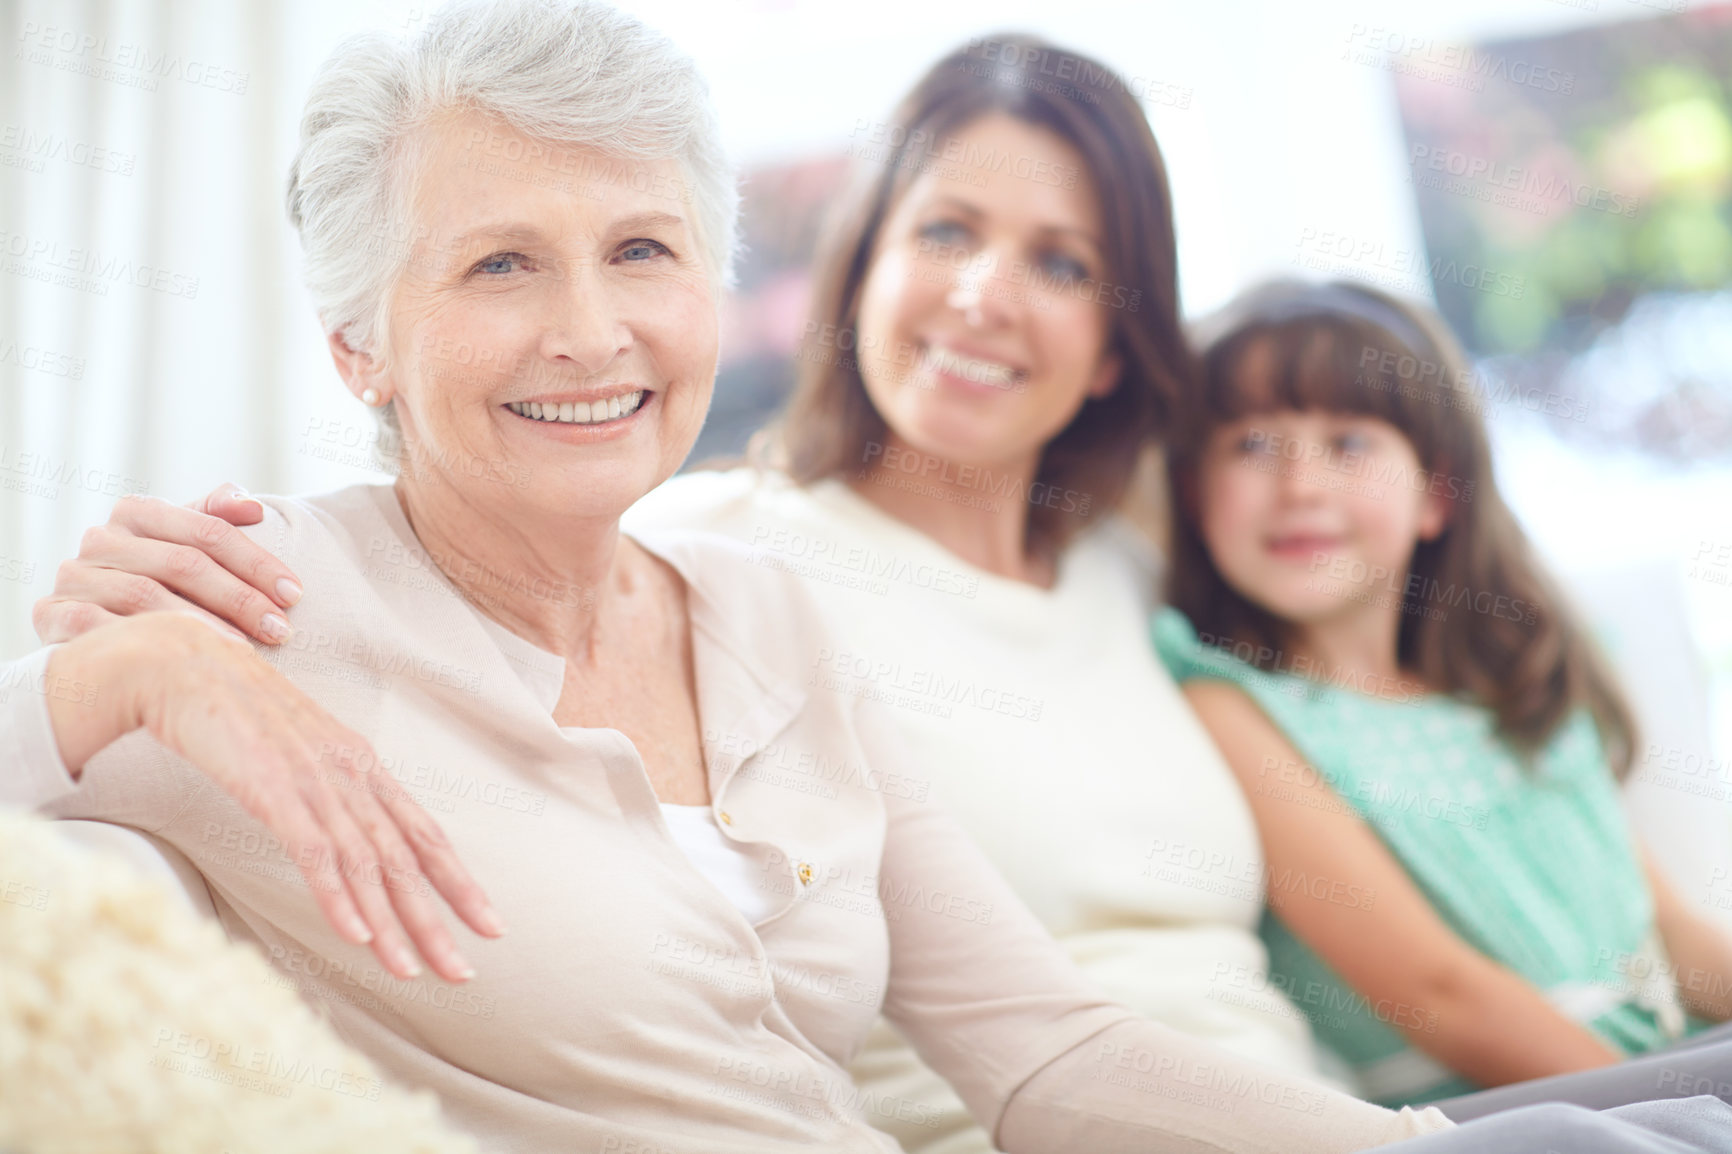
(1671, 1101)
(1699, 1125)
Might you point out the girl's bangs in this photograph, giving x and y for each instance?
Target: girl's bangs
(1321, 363)
(1327, 363)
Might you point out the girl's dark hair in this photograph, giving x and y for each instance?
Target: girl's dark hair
(830, 421)
(1480, 619)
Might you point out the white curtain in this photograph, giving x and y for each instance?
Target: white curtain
(153, 334)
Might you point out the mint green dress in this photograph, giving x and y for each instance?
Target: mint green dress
(1532, 865)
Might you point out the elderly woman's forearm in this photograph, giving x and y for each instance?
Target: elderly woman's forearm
(31, 770)
(93, 707)
(59, 707)
(1140, 1086)
(1044, 1060)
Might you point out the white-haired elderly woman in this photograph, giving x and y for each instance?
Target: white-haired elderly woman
(517, 230)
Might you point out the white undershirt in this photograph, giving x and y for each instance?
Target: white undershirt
(728, 867)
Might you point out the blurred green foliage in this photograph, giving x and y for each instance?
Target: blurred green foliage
(1589, 198)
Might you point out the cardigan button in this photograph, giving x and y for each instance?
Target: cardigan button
(726, 820)
(805, 872)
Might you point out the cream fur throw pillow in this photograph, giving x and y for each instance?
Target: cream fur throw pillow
(128, 1023)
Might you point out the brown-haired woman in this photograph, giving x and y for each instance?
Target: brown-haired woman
(995, 339)
(1427, 737)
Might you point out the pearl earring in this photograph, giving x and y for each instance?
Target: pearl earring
(370, 397)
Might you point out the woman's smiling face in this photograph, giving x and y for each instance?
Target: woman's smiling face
(980, 331)
(554, 337)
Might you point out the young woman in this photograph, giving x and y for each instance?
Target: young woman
(1425, 733)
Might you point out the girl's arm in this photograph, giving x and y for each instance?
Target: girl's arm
(1384, 938)
(1701, 951)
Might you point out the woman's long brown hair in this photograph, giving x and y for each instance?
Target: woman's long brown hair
(830, 422)
(1479, 617)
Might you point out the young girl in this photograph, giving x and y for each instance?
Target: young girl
(1426, 737)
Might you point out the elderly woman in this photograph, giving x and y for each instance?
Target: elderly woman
(695, 951)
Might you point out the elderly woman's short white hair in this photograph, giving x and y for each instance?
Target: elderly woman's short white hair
(576, 73)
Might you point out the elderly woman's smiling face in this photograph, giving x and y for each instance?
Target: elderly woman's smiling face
(553, 340)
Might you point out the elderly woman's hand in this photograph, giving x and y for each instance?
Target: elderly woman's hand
(153, 555)
(362, 843)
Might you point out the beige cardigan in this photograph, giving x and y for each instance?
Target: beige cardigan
(631, 1007)
(1056, 739)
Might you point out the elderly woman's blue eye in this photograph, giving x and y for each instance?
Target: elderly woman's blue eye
(640, 250)
(499, 264)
